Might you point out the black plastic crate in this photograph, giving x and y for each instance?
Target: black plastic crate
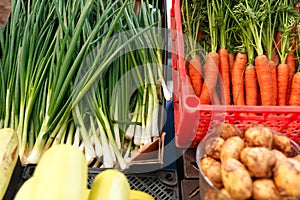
(190, 182)
(14, 183)
(161, 184)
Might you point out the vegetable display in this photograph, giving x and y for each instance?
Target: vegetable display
(81, 73)
(259, 164)
(257, 44)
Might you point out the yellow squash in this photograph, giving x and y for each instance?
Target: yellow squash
(139, 195)
(110, 184)
(25, 190)
(8, 157)
(61, 174)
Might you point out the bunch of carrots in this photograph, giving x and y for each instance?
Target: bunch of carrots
(243, 52)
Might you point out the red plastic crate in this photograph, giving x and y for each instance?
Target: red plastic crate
(193, 120)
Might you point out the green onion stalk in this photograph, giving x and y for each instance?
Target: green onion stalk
(63, 70)
(64, 76)
(10, 53)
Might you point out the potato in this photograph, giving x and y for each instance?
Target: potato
(230, 130)
(288, 198)
(214, 147)
(236, 179)
(259, 136)
(279, 156)
(232, 148)
(282, 143)
(297, 157)
(259, 161)
(223, 195)
(287, 177)
(212, 194)
(212, 169)
(265, 189)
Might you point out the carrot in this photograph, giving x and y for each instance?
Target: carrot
(195, 73)
(211, 72)
(215, 98)
(200, 35)
(285, 58)
(273, 68)
(282, 83)
(264, 77)
(211, 67)
(275, 57)
(278, 40)
(231, 61)
(224, 73)
(290, 61)
(294, 99)
(251, 86)
(237, 81)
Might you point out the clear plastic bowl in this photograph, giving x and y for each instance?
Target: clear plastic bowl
(207, 190)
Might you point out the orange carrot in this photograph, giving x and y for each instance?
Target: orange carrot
(200, 35)
(277, 39)
(215, 99)
(275, 57)
(195, 73)
(273, 68)
(282, 83)
(224, 75)
(237, 81)
(251, 86)
(231, 61)
(264, 77)
(290, 61)
(295, 91)
(211, 73)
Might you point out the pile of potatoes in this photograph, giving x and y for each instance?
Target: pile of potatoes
(256, 163)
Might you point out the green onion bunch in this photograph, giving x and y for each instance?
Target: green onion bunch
(86, 73)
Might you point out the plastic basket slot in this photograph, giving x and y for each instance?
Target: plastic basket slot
(201, 130)
(274, 124)
(293, 131)
(295, 123)
(238, 122)
(204, 121)
(205, 113)
(136, 184)
(203, 126)
(230, 114)
(215, 123)
(152, 186)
